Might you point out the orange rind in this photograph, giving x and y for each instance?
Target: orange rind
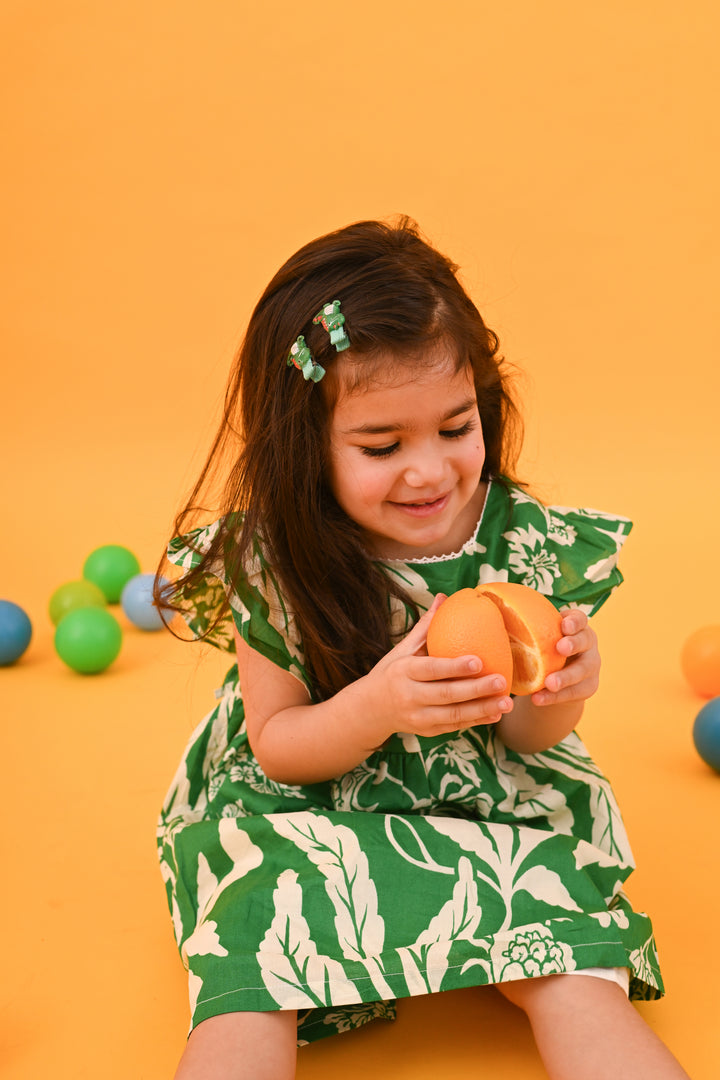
(517, 640)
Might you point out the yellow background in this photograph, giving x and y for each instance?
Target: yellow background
(161, 159)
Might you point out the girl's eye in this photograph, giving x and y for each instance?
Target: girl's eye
(451, 433)
(379, 451)
(457, 433)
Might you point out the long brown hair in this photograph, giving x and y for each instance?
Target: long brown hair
(398, 295)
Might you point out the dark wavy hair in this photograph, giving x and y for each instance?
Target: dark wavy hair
(400, 296)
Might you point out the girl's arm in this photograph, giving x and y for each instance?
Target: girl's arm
(296, 742)
(540, 721)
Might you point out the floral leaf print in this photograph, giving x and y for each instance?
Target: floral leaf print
(488, 574)
(239, 848)
(207, 885)
(347, 788)
(603, 568)
(617, 916)
(645, 962)
(562, 532)
(203, 941)
(528, 952)
(588, 855)
(412, 583)
(294, 973)
(461, 754)
(245, 856)
(247, 771)
(458, 918)
(170, 879)
(336, 852)
(450, 762)
(501, 848)
(394, 822)
(350, 1019)
(526, 798)
(608, 831)
(529, 559)
(546, 885)
(279, 616)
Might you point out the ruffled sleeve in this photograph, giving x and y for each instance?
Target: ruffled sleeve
(257, 608)
(568, 554)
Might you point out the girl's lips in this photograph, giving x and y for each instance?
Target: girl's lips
(423, 508)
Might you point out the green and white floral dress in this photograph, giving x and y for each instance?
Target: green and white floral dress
(439, 862)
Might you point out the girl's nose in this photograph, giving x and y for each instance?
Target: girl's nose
(425, 471)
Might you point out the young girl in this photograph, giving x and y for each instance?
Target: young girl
(355, 821)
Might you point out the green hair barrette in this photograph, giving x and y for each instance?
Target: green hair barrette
(331, 318)
(334, 322)
(301, 358)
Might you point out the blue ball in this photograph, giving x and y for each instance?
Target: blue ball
(137, 602)
(706, 733)
(15, 632)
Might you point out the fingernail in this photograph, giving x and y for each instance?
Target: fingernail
(474, 665)
(498, 684)
(505, 704)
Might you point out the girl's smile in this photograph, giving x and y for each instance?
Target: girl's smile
(407, 457)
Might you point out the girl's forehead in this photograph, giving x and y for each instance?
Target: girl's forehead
(431, 393)
(362, 376)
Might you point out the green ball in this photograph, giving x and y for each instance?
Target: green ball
(110, 568)
(72, 595)
(88, 639)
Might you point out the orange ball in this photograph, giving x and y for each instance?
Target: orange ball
(700, 661)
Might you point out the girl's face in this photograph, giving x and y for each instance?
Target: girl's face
(406, 456)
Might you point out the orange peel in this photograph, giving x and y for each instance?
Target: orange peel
(518, 640)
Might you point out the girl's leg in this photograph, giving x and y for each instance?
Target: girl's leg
(586, 1029)
(241, 1046)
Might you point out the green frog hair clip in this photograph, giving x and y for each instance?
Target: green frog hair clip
(300, 356)
(331, 319)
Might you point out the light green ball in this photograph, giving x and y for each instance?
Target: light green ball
(72, 595)
(110, 568)
(88, 639)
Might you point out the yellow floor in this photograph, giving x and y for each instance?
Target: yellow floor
(161, 161)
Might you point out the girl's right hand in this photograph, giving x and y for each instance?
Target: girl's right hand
(413, 692)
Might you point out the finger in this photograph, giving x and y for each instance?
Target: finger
(456, 691)
(574, 644)
(467, 714)
(578, 680)
(577, 692)
(440, 668)
(573, 621)
(414, 641)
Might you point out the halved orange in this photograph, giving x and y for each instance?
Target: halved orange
(533, 625)
(467, 624)
(529, 626)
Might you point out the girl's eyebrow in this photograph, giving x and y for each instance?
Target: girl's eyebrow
(385, 429)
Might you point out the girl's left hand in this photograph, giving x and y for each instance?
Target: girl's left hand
(579, 678)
